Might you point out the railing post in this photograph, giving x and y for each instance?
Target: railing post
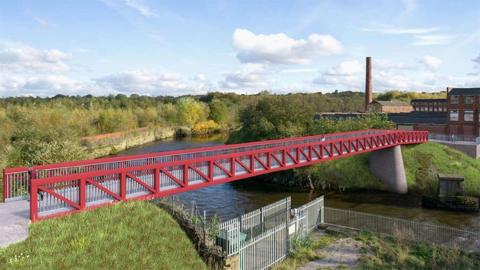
(210, 170)
(123, 186)
(33, 201)
(185, 175)
(5, 186)
(232, 166)
(156, 180)
(83, 190)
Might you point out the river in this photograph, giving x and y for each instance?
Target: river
(233, 199)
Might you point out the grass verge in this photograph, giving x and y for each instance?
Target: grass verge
(400, 253)
(132, 235)
(422, 163)
(303, 251)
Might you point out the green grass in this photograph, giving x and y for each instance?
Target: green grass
(424, 160)
(400, 253)
(303, 251)
(422, 163)
(133, 235)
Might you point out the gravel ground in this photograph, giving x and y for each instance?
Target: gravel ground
(344, 253)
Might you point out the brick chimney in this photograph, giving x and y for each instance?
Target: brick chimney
(368, 82)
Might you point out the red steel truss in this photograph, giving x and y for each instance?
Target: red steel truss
(70, 187)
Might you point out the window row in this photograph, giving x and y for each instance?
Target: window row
(467, 115)
(466, 99)
(430, 109)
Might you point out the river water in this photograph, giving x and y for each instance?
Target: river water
(233, 199)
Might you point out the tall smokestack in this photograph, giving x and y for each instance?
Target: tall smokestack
(368, 82)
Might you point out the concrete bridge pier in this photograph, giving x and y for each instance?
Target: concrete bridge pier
(387, 165)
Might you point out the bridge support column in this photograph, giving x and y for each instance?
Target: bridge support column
(387, 164)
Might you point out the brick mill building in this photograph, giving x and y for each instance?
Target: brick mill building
(458, 114)
(463, 111)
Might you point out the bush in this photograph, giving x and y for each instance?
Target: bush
(205, 127)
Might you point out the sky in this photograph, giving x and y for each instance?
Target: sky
(153, 47)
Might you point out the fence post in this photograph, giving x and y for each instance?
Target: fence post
(322, 211)
(123, 186)
(287, 237)
(5, 186)
(33, 201)
(82, 195)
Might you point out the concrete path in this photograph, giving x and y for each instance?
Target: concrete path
(14, 219)
(344, 253)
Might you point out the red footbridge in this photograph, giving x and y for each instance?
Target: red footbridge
(64, 188)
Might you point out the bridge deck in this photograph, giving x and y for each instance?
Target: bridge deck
(58, 189)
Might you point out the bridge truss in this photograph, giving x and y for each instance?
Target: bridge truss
(70, 187)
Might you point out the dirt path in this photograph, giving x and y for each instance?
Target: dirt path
(343, 253)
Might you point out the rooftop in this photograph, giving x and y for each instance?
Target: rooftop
(429, 100)
(391, 103)
(419, 118)
(450, 177)
(464, 91)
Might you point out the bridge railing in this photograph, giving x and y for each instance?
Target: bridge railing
(16, 180)
(210, 162)
(62, 194)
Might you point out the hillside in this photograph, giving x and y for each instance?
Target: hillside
(422, 163)
(133, 235)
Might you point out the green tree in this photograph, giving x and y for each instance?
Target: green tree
(218, 111)
(191, 111)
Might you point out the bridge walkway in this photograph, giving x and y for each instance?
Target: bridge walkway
(14, 219)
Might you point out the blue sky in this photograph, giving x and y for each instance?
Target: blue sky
(180, 47)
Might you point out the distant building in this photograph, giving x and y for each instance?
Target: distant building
(429, 105)
(392, 106)
(463, 111)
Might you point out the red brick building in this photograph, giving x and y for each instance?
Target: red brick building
(429, 105)
(463, 111)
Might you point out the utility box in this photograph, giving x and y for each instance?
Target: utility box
(449, 185)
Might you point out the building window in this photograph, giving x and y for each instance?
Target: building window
(454, 115)
(468, 116)
(453, 99)
(468, 100)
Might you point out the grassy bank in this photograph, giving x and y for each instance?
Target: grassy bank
(422, 163)
(133, 235)
(378, 253)
(400, 253)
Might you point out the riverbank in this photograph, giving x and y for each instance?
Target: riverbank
(324, 250)
(422, 164)
(112, 143)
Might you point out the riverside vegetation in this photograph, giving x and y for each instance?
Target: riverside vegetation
(383, 252)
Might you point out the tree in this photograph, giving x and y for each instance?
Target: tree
(191, 111)
(218, 111)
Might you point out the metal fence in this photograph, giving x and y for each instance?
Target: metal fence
(453, 138)
(416, 231)
(261, 238)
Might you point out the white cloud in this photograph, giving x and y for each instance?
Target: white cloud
(281, 49)
(146, 82)
(409, 5)
(386, 75)
(422, 36)
(429, 40)
(140, 7)
(249, 77)
(20, 57)
(393, 30)
(346, 68)
(346, 74)
(431, 63)
(137, 5)
(477, 59)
